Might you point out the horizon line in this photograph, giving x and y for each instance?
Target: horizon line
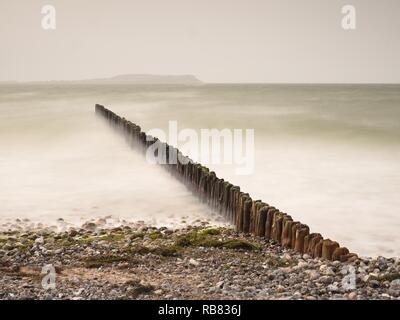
(203, 82)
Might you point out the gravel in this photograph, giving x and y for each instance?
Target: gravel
(139, 261)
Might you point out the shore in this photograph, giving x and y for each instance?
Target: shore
(138, 261)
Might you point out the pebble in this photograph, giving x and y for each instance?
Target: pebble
(395, 284)
(39, 240)
(352, 295)
(194, 262)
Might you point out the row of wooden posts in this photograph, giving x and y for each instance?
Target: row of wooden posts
(249, 216)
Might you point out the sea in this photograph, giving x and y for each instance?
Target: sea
(328, 155)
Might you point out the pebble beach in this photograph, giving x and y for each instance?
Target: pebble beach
(139, 261)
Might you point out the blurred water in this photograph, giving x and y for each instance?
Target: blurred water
(326, 154)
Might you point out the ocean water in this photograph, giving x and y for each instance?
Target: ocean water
(329, 155)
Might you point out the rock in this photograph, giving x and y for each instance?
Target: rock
(312, 274)
(287, 257)
(352, 295)
(374, 284)
(280, 288)
(79, 292)
(101, 222)
(168, 231)
(39, 240)
(333, 287)
(325, 270)
(395, 284)
(365, 278)
(89, 226)
(194, 262)
(302, 264)
(220, 284)
(73, 233)
(326, 280)
(394, 293)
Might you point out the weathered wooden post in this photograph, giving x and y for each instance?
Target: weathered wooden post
(261, 221)
(269, 222)
(246, 215)
(339, 252)
(328, 247)
(287, 231)
(300, 236)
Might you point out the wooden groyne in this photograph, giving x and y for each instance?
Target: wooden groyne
(249, 216)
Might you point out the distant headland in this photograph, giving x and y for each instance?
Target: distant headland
(152, 79)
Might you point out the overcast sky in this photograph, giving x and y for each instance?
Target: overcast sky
(216, 40)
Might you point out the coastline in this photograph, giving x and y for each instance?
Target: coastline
(139, 261)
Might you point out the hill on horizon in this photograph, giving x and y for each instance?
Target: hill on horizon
(149, 79)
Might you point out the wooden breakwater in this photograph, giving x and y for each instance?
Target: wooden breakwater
(249, 216)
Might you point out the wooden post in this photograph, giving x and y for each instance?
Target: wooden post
(246, 215)
(338, 253)
(269, 222)
(287, 231)
(328, 247)
(314, 238)
(277, 226)
(261, 221)
(301, 234)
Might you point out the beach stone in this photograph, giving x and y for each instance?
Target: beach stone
(374, 284)
(194, 262)
(325, 280)
(395, 284)
(352, 295)
(73, 233)
(325, 270)
(89, 226)
(302, 264)
(333, 287)
(313, 275)
(39, 240)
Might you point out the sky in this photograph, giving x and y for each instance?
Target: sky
(284, 41)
